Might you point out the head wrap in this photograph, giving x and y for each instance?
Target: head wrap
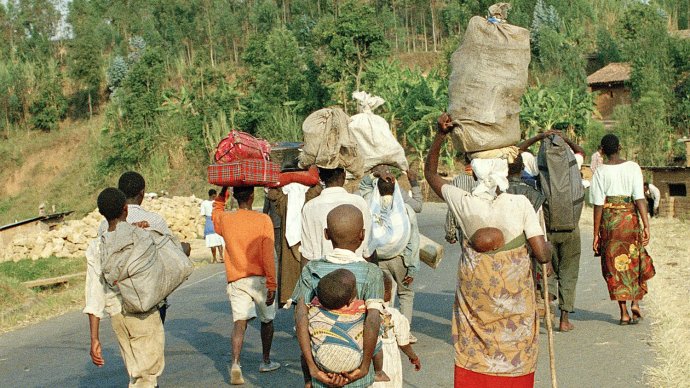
(530, 163)
(491, 173)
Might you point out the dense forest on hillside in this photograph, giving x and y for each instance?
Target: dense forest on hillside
(172, 77)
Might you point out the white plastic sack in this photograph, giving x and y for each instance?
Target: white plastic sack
(377, 145)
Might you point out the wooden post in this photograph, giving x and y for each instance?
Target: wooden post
(549, 328)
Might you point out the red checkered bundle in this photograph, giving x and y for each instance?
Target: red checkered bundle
(243, 160)
(248, 172)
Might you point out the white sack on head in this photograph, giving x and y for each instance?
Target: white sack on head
(366, 102)
(490, 173)
(376, 142)
(390, 229)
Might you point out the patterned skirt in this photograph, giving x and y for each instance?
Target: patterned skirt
(495, 325)
(625, 263)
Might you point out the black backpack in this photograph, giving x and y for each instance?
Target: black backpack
(561, 183)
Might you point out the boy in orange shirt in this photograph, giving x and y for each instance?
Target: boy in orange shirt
(250, 272)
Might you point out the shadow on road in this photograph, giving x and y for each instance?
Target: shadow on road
(210, 344)
(439, 307)
(587, 315)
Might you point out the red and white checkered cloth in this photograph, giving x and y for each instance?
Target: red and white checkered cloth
(247, 172)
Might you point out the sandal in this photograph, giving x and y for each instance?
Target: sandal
(636, 314)
(624, 322)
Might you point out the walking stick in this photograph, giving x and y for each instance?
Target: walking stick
(549, 328)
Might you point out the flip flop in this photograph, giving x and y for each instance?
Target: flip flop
(624, 322)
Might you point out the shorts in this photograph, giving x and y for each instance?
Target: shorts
(248, 299)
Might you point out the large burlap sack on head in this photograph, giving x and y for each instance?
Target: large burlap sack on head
(328, 142)
(377, 145)
(488, 78)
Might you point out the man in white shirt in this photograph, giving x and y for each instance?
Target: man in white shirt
(653, 196)
(314, 213)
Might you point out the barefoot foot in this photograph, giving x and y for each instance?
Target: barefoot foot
(565, 327)
(381, 376)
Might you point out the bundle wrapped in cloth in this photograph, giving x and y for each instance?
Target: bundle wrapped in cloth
(328, 143)
(240, 145)
(488, 78)
(377, 145)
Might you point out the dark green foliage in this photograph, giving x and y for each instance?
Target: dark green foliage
(178, 75)
(116, 72)
(51, 106)
(607, 48)
(140, 94)
(348, 43)
(545, 108)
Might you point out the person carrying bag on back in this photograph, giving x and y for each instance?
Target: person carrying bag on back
(559, 162)
(140, 335)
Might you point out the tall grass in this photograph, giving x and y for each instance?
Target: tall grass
(667, 303)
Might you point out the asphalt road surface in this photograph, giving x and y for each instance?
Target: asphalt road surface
(55, 353)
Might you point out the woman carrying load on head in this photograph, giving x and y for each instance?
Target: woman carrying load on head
(617, 194)
(495, 324)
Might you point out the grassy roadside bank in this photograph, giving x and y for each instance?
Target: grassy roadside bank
(666, 303)
(20, 306)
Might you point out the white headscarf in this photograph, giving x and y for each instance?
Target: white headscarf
(530, 163)
(491, 173)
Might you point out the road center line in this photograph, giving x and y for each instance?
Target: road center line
(201, 280)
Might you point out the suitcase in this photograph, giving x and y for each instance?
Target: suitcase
(241, 145)
(287, 155)
(247, 172)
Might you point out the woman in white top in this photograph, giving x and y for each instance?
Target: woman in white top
(619, 204)
(213, 240)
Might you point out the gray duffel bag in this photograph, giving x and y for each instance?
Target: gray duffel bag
(145, 265)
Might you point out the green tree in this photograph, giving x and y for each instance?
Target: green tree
(349, 41)
(85, 56)
(38, 21)
(51, 106)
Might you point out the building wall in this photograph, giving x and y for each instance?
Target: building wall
(678, 207)
(610, 97)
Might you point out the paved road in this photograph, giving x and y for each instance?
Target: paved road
(599, 353)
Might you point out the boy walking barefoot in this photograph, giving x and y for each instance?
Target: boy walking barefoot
(250, 272)
(140, 336)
